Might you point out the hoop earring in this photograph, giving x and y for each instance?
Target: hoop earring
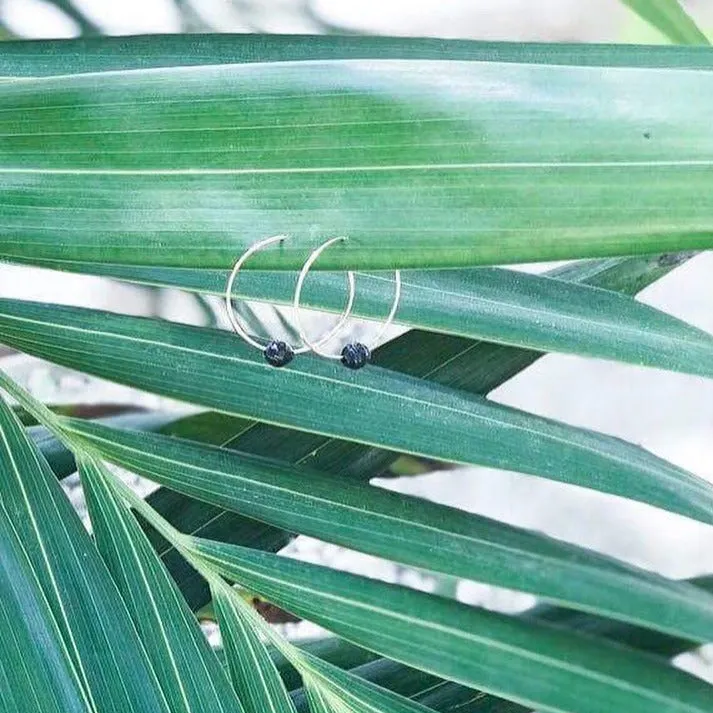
(278, 353)
(354, 355)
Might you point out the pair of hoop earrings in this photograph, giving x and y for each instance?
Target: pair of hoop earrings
(354, 355)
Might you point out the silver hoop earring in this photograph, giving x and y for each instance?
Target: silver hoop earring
(276, 352)
(354, 355)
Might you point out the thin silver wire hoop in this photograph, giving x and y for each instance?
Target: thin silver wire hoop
(238, 327)
(315, 346)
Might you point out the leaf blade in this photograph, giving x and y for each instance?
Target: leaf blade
(36, 670)
(567, 672)
(246, 654)
(405, 529)
(464, 174)
(213, 369)
(669, 17)
(53, 57)
(490, 304)
(188, 671)
(94, 623)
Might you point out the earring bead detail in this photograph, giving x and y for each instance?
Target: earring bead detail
(355, 355)
(278, 353)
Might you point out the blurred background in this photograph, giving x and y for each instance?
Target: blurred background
(669, 414)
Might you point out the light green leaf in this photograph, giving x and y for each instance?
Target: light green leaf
(95, 625)
(53, 57)
(189, 672)
(36, 671)
(491, 304)
(533, 664)
(408, 530)
(252, 670)
(374, 406)
(421, 163)
(670, 19)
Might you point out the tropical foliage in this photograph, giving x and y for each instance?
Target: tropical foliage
(158, 161)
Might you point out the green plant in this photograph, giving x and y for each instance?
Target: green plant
(497, 153)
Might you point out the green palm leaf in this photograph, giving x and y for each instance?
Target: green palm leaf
(251, 669)
(532, 664)
(62, 57)
(491, 304)
(215, 369)
(95, 625)
(405, 529)
(36, 669)
(411, 159)
(190, 674)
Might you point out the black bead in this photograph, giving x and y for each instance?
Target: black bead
(278, 353)
(355, 356)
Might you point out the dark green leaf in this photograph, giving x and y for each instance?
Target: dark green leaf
(408, 530)
(251, 669)
(492, 304)
(453, 361)
(190, 675)
(61, 459)
(529, 663)
(90, 614)
(52, 57)
(332, 649)
(206, 521)
(36, 670)
(215, 369)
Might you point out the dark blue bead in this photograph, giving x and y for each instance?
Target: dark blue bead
(278, 353)
(355, 356)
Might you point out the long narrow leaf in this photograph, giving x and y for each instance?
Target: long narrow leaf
(406, 529)
(476, 367)
(529, 663)
(53, 57)
(251, 669)
(190, 675)
(421, 163)
(206, 521)
(492, 304)
(94, 622)
(671, 19)
(216, 370)
(61, 459)
(36, 670)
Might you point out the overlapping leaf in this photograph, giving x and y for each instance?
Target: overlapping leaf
(61, 57)
(492, 304)
(532, 664)
(252, 670)
(97, 630)
(374, 406)
(476, 367)
(189, 672)
(405, 529)
(36, 669)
